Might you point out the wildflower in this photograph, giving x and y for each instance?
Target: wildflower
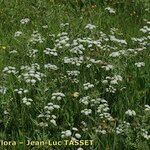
(87, 86)
(10, 70)
(57, 96)
(18, 33)
(147, 108)
(86, 111)
(77, 135)
(110, 10)
(24, 21)
(49, 51)
(75, 94)
(140, 64)
(50, 66)
(3, 89)
(130, 113)
(27, 101)
(90, 26)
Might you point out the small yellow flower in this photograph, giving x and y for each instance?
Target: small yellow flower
(75, 94)
(4, 47)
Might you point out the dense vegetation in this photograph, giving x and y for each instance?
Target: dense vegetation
(75, 70)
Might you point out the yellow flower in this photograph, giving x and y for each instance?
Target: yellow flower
(75, 94)
(2, 47)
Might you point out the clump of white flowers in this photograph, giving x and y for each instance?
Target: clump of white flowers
(123, 128)
(36, 37)
(90, 26)
(50, 66)
(140, 64)
(31, 74)
(87, 86)
(103, 110)
(130, 113)
(78, 49)
(85, 100)
(21, 91)
(62, 41)
(108, 67)
(73, 134)
(86, 111)
(58, 96)
(66, 133)
(110, 10)
(27, 101)
(48, 115)
(3, 89)
(64, 24)
(10, 70)
(74, 60)
(18, 33)
(49, 51)
(147, 108)
(73, 73)
(145, 134)
(32, 52)
(24, 21)
(119, 41)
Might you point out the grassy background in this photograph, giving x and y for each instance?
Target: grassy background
(20, 125)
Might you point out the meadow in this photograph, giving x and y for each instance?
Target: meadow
(75, 70)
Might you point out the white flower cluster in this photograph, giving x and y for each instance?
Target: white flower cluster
(43, 124)
(74, 60)
(86, 111)
(145, 134)
(103, 109)
(78, 49)
(86, 41)
(27, 101)
(66, 133)
(144, 40)
(62, 40)
(24, 21)
(108, 67)
(145, 29)
(52, 52)
(123, 128)
(130, 113)
(13, 52)
(64, 24)
(10, 70)
(119, 41)
(85, 100)
(101, 130)
(30, 74)
(50, 66)
(3, 90)
(90, 26)
(140, 64)
(58, 96)
(36, 38)
(111, 89)
(110, 10)
(93, 61)
(18, 33)
(112, 80)
(73, 134)
(32, 52)
(147, 108)
(21, 91)
(73, 73)
(47, 114)
(87, 86)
